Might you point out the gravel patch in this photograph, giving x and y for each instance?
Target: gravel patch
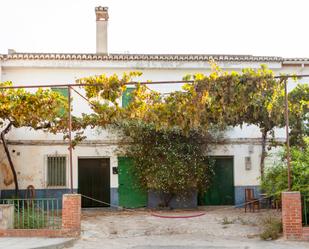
(219, 228)
(227, 222)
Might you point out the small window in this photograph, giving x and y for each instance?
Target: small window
(64, 92)
(56, 171)
(61, 90)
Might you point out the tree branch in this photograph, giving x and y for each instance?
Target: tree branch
(7, 152)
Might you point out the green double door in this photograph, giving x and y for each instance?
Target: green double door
(130, 194)
(221, 191)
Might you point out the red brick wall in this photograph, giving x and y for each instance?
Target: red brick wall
(71, 212)
(292, 217)
(32, 233)
(306, 233)
(71, 222)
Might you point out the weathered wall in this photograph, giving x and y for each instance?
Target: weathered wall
(30, 162)
(32, 147)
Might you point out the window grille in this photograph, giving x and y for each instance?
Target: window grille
(56, 171)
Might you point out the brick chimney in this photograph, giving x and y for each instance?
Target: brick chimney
(102, 22)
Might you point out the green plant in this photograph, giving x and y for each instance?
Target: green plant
(271, 228)
(30, 218)
(226, 221)
(167, 161)
(221, 99)
(275, 179)
(299, 115)
(21, 108)
(243, 221)
(168, 136)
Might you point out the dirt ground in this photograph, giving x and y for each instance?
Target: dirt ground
(217, 228)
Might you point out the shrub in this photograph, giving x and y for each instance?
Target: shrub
(272, 228)
(167, 161)
(226, 221)
(30, 218)
(276, 179)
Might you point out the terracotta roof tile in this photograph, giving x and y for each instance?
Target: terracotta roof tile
(296, 59)
(146, 57)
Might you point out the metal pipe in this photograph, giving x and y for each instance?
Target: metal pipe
(98, 84)
(287, 134)
(70, 139)
(83, 97)
(136, 82)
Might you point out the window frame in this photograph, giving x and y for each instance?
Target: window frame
(127, 91)
(63, 91)
(46, 171)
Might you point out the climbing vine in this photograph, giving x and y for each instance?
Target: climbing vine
(160, 127)
(40, 110)
(299, 115)
(190, 116)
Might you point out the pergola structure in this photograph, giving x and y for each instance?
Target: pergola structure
(70, 87)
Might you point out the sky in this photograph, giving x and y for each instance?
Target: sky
(255, 27)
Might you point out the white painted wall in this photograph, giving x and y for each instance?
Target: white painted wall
(31, 165)
(31, 162)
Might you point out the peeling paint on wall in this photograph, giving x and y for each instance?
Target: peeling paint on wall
(7, 174)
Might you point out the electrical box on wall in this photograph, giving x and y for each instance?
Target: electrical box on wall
(248, 164)
(115, 170)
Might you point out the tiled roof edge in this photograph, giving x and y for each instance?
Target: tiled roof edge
(139, 57)
(296, 59)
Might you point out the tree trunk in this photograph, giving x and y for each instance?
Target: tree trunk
(8, 155)
(263, 155)
(166, 199)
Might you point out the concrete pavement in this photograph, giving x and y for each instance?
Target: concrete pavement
(185, 241)
(35, 243)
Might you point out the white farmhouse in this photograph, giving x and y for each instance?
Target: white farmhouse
(42, 159)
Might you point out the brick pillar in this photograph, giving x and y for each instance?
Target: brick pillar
(71, 213)
(292, 215)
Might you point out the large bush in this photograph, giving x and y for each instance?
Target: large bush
(276, 179)
(167, 161)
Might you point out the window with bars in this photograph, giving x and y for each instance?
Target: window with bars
(56, 171)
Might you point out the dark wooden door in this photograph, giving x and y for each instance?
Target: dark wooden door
(94, 181)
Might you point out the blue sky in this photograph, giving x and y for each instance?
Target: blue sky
(257, 27)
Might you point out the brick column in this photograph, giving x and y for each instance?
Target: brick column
(71, 213)
(292, 215)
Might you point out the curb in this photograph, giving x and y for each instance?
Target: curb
(65, 244)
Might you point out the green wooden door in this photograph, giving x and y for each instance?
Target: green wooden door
(221, 191)
(130, 195)
(94, 181)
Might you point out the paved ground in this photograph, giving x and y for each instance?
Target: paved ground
(188, 242)
(218, 228)
(37, 243)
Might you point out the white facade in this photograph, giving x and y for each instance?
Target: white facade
(32, 147)
(29, 148)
